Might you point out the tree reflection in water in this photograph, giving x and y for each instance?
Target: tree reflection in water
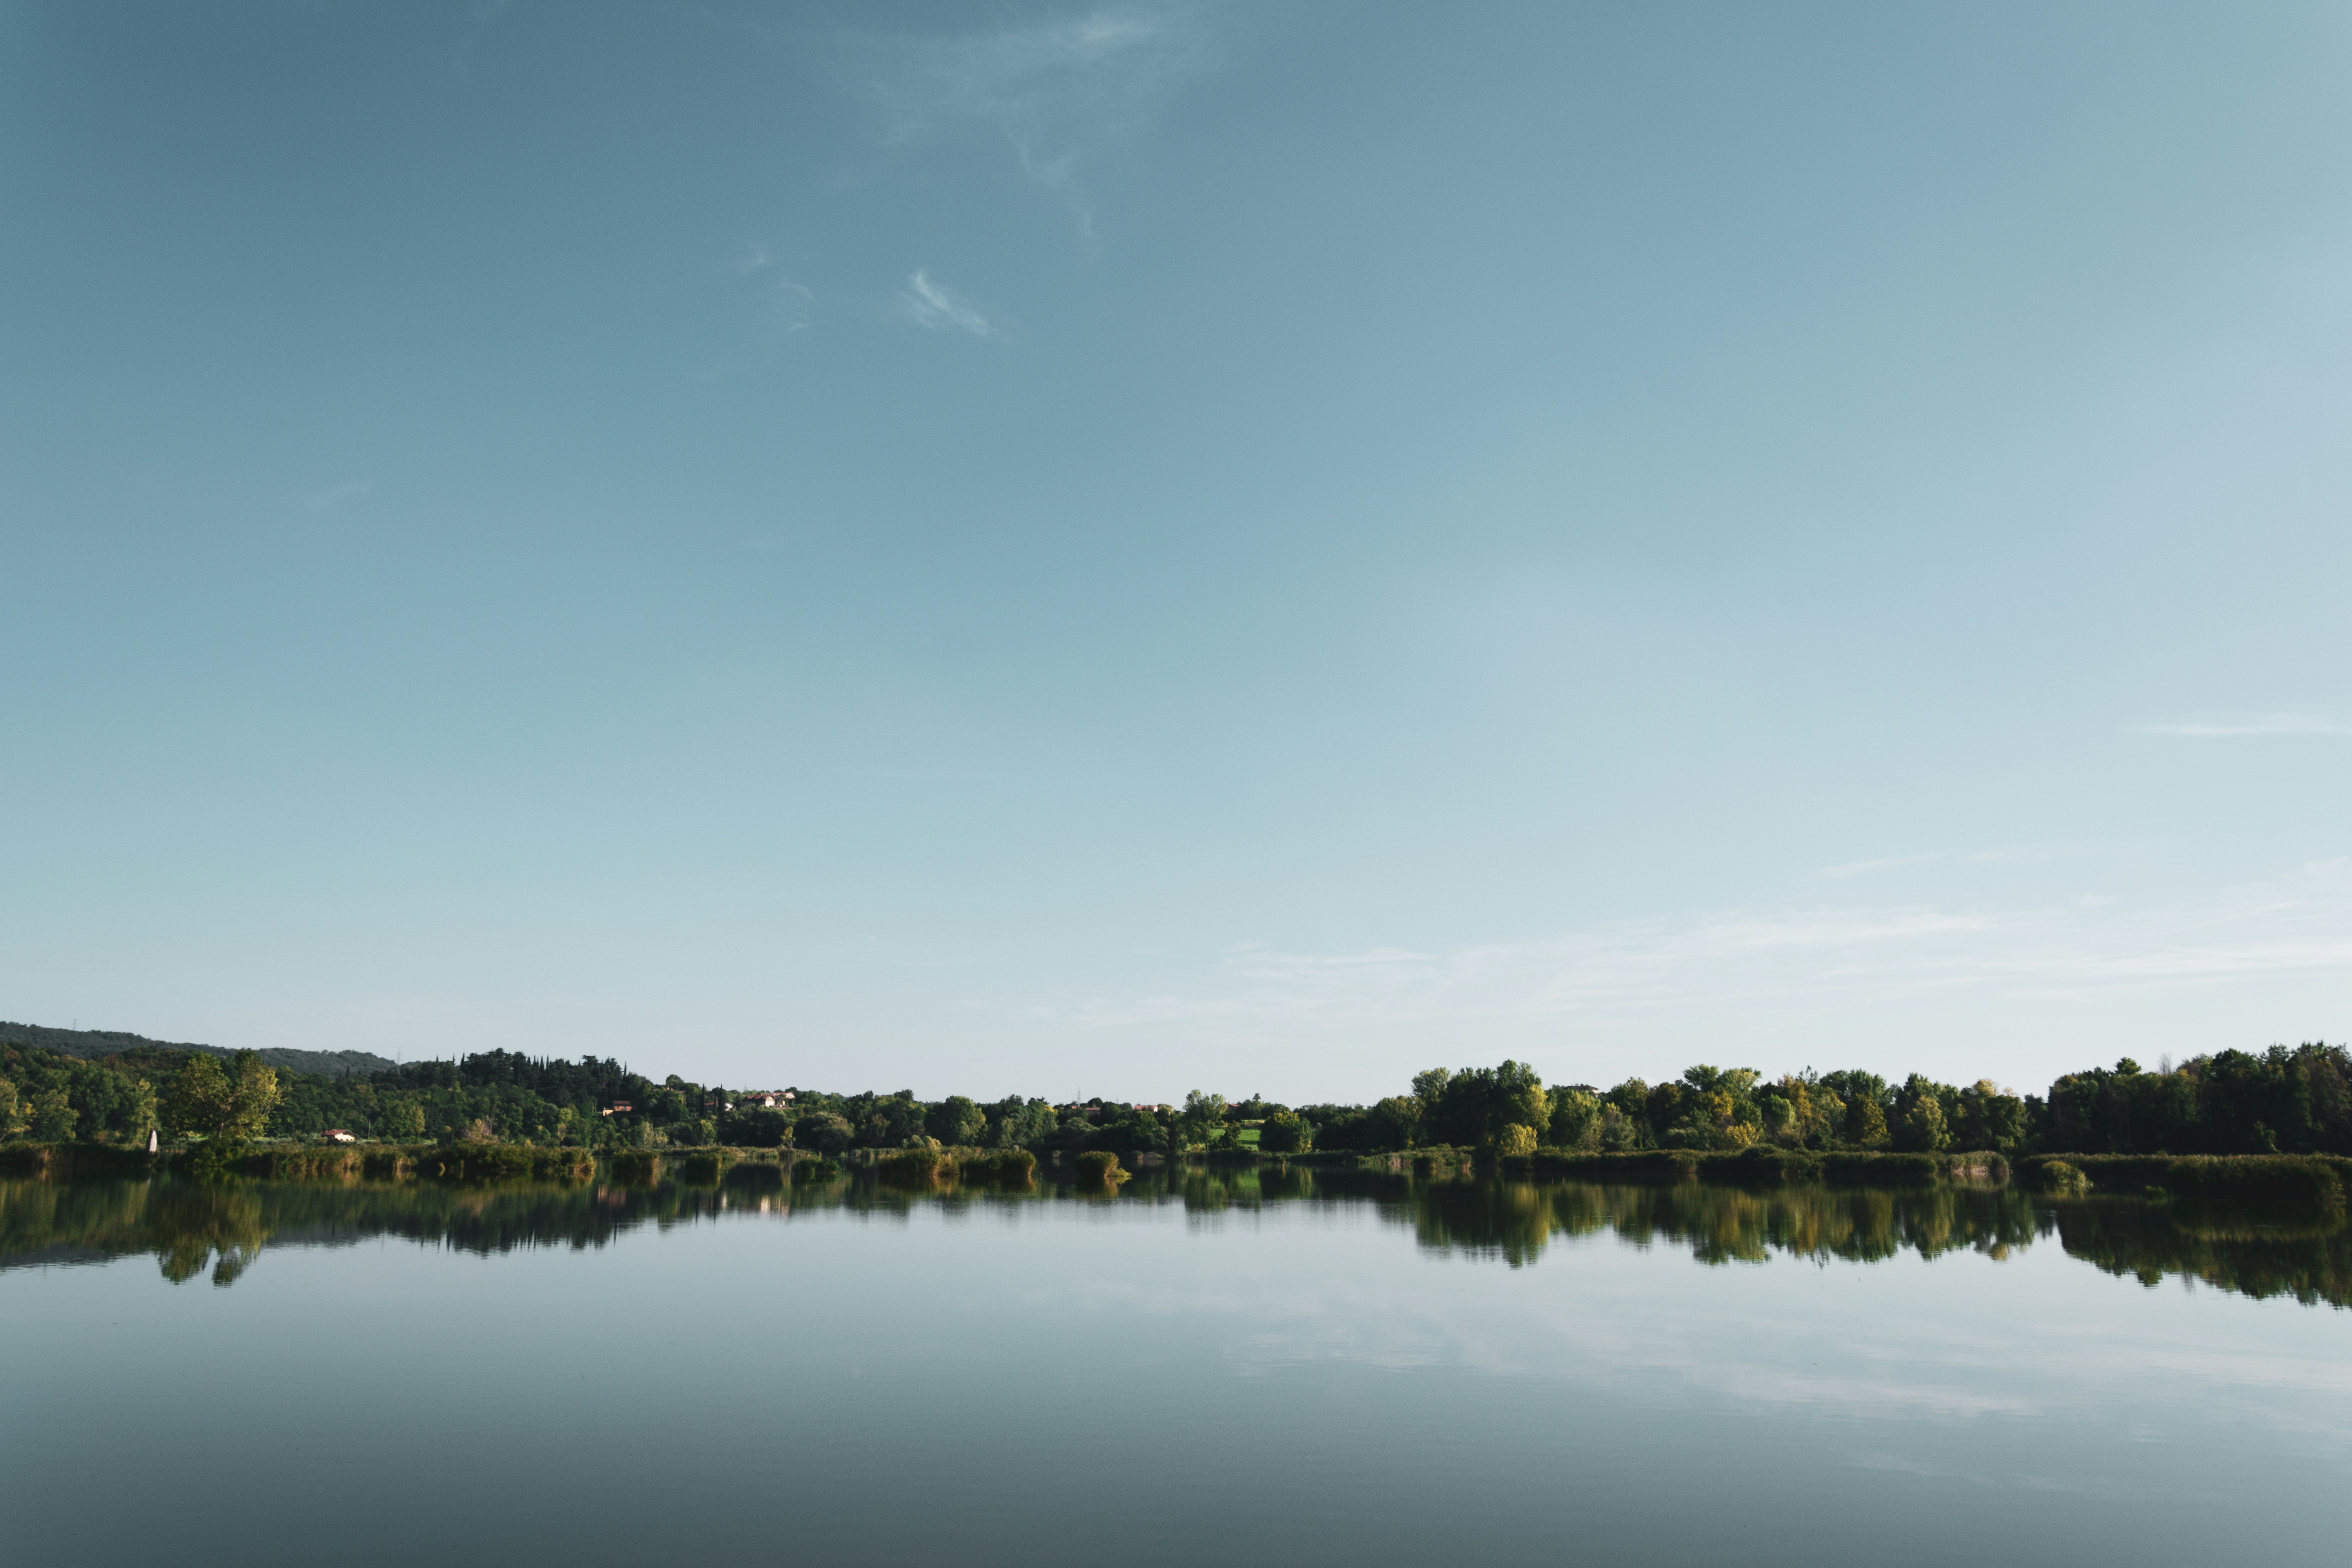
(187, 1226)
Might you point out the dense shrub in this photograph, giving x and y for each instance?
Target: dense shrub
(1285, 1133)
(2284, 1100)
(635, 1167)
(914, 1166)
(1100, 1165)
(1009, 1165)
(956, 1120)
(822, 1133)
(481, 1161)
(705, 1166)
(2058, 1176)
(2249, 1178)
(759, 1127)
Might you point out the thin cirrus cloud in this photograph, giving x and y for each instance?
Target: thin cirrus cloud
(2234, 726)
(790, 306)
(2010, 854)
(934, 305)
(1056, 91)
(752, 258)
(787, 306)
(1761, 962)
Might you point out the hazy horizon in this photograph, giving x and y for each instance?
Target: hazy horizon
(1118, 549)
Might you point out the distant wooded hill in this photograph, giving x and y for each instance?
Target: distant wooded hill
(91, 1043)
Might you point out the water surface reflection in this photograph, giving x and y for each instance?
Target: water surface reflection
(191, 1228)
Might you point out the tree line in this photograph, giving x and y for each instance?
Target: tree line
(2286, 1099)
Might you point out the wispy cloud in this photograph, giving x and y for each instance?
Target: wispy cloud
(790, 306)
(2010, 854)
(1749, 962)
(786, 305)
(934, 305)
(916, 774)
(1056, 92)
(484, 13)
(752, 257)
(2250, 724)
(1873, 867)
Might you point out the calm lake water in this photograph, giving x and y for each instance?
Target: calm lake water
(1209, 1367)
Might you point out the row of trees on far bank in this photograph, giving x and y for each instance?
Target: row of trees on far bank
(2287, 1099)
(51, 1098)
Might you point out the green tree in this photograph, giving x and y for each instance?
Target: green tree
(1575, 1120)
(1202, 1120)
(1018, 1123)
(138, 1110)
(956, 1120)
(1631, 1101)
(1515, 1138)
(1923, 1129)
(1865, 1122)
(1393, 1123)
(883, 1120)
(53, 1117)
(759, 1127)
(823, 1132)
(1988, 1119)
(1824, 1116)
(1472, 1107)
(1718, 1109)
(12, 1109)
(1801, 1112)
(230, 1102)
(1285, 1133)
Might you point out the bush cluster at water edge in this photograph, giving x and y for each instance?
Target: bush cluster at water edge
(1100, 1166)
(1764, 1165)
(2239, 1178)
(924, 1165)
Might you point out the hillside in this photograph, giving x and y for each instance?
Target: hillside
(89, 1043)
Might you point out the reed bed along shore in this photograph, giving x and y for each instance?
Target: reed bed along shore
(1766, 1165)
(2237, 1178)
(477, 1161)
(2315, 1179)
(920, 1166)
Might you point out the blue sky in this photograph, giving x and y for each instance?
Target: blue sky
(1119, 549)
